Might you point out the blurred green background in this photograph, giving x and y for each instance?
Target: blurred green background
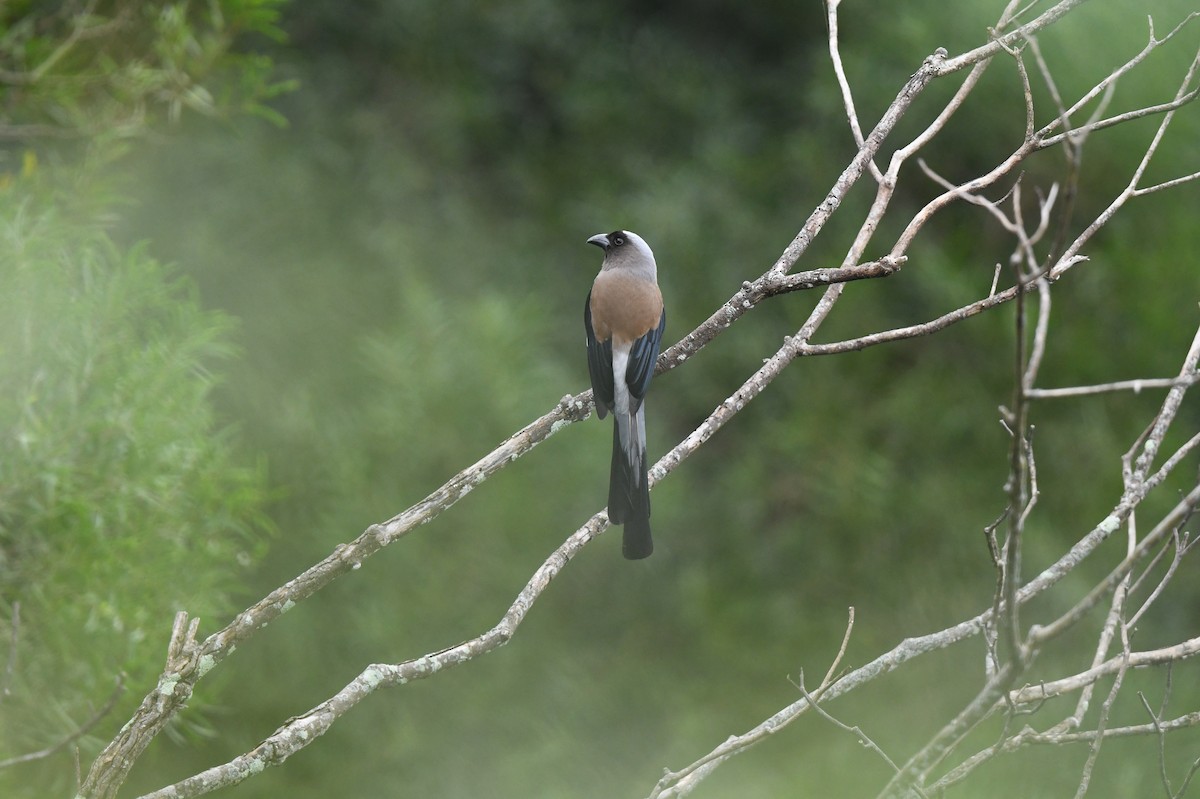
(229, 345)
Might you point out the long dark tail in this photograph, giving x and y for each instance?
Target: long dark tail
(628, 486)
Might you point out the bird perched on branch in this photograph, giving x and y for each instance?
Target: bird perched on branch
(624, 318)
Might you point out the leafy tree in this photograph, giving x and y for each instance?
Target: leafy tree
(88, 69)
(123, 499)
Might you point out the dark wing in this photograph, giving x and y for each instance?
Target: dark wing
(599, 363)
(642, 358)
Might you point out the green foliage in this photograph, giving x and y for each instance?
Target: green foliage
(121, 500)
(110, 70)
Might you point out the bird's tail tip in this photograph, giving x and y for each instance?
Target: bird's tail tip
(636, 542)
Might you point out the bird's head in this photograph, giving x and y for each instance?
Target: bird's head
(624, 249)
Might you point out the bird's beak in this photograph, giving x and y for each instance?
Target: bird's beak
(600, 240)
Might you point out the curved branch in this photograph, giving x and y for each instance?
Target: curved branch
(300, 731)
(1038, 693)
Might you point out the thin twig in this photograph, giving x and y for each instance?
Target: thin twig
(1040, 634)
(1166, 415)
(912, 774)
(1065, 685)
(1136, 386)
(1030, 737)
(1138, 113)
(835, 56)
(75, 735)
(830, 674)
(1105, 86)
(992, 660)
(1162, 584)
(1166, 184)
(855, 730)
(1085, 778)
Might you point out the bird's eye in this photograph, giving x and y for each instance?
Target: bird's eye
(618, 240)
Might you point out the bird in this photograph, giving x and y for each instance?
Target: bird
(624, 318)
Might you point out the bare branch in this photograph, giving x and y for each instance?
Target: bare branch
(1108, 122)
(1167, 184)
(850, 175)
(856, 731)
(839, 72)
(1187, 780)
(1030, 737)
(300, 731)
(1131, 188)
(1089, 765)
(1105, 86)
(1043, 691)
(1111, 623)
(992, 48)
(1039, 634)
(831, 674)
(1136, 386)
(1166, 415)
(907, 650)
(1155, 479)
(914, 647)
(910, 777)
(1162, 583)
